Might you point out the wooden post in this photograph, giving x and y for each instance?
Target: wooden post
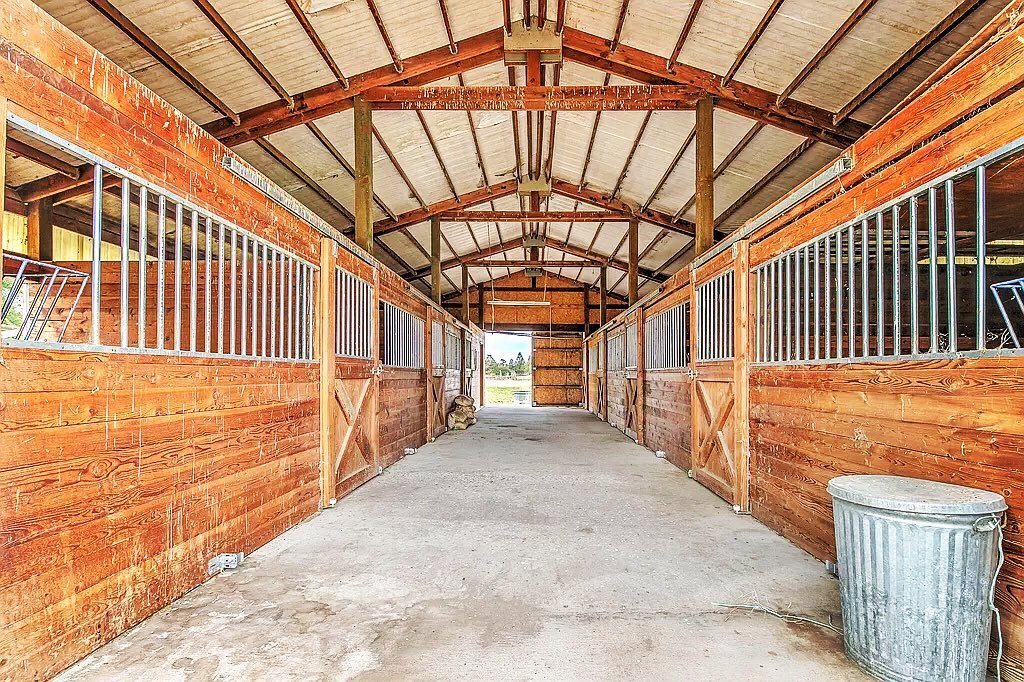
(633, 237)
(465, 295)
(40, 229)
(705, 195)
(604, 295)
(586, 311)
(428, 365)
(3, 165)
(364, 174)
(435, 259)
(325, 322)
(480, 305)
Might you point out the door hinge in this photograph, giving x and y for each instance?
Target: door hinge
(377, 371)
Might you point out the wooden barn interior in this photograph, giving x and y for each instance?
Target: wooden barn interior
(252, 252)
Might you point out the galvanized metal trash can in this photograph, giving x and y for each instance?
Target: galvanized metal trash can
(916, 565)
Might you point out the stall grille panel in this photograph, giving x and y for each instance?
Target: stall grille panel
(715, 319)
(911, 279)
(353, 316)
(401, 337)
(437, 343)
(617, 352)
(667, 338)
(452, 349)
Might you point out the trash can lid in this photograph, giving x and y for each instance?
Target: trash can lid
(898, 493)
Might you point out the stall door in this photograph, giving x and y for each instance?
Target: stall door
(353, 414)
(435, 382)
(719, 445)
(557, 371)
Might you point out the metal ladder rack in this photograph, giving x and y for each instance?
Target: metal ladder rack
(40, 301)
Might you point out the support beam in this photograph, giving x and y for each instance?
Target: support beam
(162, 57)
(740, 98)
(41, 158)
(603, 279)
(609, 203)
(535, 263)
(537, 98)
(477, 196)
(536, 216)
(633, 236)
(705, 176)
(465, 294)
(480, 305)
(586, 311)
(364, 174)
(435, 259)
(428, 67)
(40, 230)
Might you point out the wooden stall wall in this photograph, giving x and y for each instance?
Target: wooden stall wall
(558, 371)
(403, 392)
(565, 314)
(595, 375)
(615, 383)
(955, 420)
(667, 397)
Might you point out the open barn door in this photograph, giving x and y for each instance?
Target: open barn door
(557, 371)
(719, 402)
(349, 383)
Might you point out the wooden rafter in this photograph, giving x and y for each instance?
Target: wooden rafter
(477, 196)
(535, 216)
(536, 98)
(609, 203)
(437, 155)
(746, 100)
(325, 142)
(671, 169)
(759, 30)
(924, 43)
(632, 152)
(851, 22)
(130, 29)
(38, 156)
(691, 17)
(304, 177)
(766, 180)
(725, 163)
(617, 35)
(590, 144)
(385, 37)
(235, 40)
(452, 46)
(436, 64)
(318, 43)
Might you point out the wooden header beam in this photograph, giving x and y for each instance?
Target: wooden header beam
(532, 263)
(536, 216)
(538, 98)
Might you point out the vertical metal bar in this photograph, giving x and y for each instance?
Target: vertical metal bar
(97, 251)
(817, 299)
(828, 297)
(951, 266)
(243, 327)
(254, 317)
(852, 289)
(865, 300)
(290, 328)
(1006, 318)
(880, 283)
(915, 297)
(980, 286)
(161, 272)
(797, 306)
(143, 251)
(220, 287)
(264, 351)
(807, 303)
(53, 302)
(177, 275)
(933, 270)
(789, 308)
(839, 294)
(897, 343)
(208, 287)
(273, 303)
(234, 283)
(126, 205)
(193, 285)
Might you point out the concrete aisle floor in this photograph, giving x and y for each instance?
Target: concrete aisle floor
(540, 544)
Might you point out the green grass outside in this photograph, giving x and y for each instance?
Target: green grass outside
(499, 391)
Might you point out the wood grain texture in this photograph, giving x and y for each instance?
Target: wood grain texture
(122, 476)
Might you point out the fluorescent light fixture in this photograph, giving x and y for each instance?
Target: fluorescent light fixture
(519, 303)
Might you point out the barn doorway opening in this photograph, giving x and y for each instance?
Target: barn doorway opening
(508, 369)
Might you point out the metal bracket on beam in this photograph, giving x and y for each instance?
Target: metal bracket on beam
(542, 186)
(526, 39)
(534, 243)
(534, 272)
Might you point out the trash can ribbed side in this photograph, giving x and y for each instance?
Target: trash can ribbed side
(915, 591)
